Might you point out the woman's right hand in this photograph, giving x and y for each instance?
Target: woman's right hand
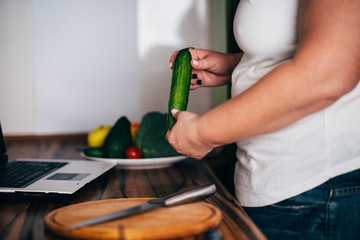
(210, 68)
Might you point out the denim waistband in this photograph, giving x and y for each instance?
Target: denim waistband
(348, 183)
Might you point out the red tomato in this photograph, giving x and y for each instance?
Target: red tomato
(133, 152)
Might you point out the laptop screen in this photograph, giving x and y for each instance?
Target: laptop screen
(3, 154)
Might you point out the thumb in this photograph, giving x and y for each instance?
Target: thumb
(175, 113)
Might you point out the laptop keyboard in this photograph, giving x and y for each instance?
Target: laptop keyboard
(19, 174)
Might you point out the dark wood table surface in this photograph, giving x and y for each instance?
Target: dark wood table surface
(24, 218)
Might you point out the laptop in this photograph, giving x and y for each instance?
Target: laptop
(46, 176)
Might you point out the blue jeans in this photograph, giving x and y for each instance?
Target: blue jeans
(329, 211)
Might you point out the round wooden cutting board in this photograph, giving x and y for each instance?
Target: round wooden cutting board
(163, 223)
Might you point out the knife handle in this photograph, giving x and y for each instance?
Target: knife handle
(192, 194)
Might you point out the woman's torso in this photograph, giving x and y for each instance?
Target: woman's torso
(282, 164)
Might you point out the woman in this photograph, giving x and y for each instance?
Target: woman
(294, 114)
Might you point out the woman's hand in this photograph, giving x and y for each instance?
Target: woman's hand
(184, 135)
(210, 68)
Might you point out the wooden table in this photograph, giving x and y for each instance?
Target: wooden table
(24, 218)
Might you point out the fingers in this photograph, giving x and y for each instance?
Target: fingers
(172, 58)
(195, 81)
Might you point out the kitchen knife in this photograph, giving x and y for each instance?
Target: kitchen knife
(192, 194)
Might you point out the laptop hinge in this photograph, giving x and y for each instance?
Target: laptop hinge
(3, 154)
(4, 158)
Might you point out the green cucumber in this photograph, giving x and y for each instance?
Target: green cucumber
(94, 152)
(180, 84)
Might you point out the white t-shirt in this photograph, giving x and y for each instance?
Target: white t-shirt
(285, 163)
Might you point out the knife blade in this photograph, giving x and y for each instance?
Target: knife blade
(188, 195)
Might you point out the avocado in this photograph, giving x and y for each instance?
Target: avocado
(118, 139)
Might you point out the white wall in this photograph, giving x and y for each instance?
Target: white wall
(16, 67)
(67, 66)
(166, 26)
(86, 63)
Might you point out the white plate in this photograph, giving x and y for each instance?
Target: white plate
(140, 163)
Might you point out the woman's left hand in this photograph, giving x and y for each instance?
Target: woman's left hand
(184, 135)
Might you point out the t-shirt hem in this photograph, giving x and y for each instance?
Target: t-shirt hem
(260, 200)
